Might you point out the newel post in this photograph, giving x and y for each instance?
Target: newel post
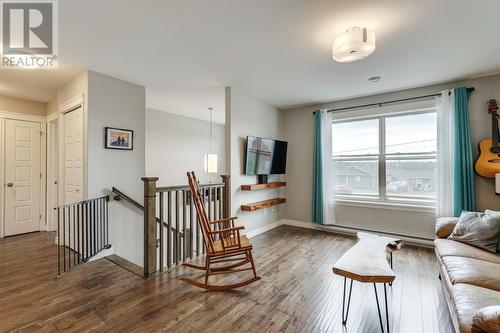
(226, 203)
(150, 225)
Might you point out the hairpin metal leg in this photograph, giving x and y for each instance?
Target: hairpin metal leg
(390, 283)
(386, 308)
(344, 319)
(378, 308)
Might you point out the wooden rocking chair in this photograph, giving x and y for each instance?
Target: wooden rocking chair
(223, 245)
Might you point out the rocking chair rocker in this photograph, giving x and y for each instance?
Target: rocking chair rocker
(223, 244)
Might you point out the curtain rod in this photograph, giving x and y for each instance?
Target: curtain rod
(471, 89)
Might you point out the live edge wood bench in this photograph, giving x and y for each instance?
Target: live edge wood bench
(369, 261)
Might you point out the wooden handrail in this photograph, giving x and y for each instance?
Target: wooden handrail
(186, 187)
(120, 195)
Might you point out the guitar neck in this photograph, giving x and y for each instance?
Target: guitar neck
(495, 134)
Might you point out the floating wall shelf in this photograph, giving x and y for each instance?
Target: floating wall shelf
(254, 187)
(262, 204)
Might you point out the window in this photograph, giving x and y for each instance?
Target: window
(356, 157)
(388, 158)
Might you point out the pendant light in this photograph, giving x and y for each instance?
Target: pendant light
(354, 44)
(210, 157)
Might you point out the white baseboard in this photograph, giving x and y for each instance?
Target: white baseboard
(300, 224)
(263, 229)
(335, 229)
(353, 231)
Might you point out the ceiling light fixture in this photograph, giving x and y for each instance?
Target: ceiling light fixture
(210, 157)
(354, 44)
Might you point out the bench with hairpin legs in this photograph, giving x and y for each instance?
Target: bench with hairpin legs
(369, 261)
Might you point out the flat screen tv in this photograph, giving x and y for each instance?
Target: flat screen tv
(265, 156)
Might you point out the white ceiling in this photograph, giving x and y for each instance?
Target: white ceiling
(35, 85)
(186, 52)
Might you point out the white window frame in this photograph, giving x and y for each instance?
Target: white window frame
(382, 198)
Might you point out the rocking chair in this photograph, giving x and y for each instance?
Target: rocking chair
(222, 244)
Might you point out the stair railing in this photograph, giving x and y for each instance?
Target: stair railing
(119, 195)
(82, 232)
(179, 236)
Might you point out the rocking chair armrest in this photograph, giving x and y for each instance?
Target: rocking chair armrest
(227, 230)
(229, 219)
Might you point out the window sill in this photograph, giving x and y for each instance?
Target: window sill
(412, 207)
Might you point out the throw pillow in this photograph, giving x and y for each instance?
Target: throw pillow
(478, 229)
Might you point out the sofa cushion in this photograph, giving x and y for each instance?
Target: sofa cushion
(486, 319)
(478, 229)
(445, 226)
(447, 247)
(468, 299)
(473, 271)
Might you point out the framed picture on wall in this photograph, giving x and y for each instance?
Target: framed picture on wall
(118, 138)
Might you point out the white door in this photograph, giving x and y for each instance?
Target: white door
(22, 176)
(73, 156)
(52, 173)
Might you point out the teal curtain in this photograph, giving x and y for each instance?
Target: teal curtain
(317, 195)
(464, 196)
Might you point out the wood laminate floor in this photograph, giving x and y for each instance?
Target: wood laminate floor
(298, 292)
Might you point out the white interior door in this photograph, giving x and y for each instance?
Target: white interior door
(52, 173)
(22, 176)
(73, 156)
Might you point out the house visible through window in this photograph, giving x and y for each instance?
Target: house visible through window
(386, 158)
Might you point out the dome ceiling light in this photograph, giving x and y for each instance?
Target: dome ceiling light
(354, 44)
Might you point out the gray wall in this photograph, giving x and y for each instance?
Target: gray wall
(246, 115)
(297, 128)
(177, 144)
(117, 103)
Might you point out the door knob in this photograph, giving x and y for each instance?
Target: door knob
(10, 184)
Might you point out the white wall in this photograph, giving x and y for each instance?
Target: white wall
(245, 116)
(116, 103)
(177, 144)
(298, 131)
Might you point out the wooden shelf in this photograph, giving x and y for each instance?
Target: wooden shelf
(253, 187)
(262, 204)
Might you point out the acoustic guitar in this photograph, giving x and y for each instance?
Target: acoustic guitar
(488, 163)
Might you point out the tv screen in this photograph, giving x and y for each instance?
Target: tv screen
(265, 156)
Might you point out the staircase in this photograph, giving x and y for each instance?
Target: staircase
(171, 231)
